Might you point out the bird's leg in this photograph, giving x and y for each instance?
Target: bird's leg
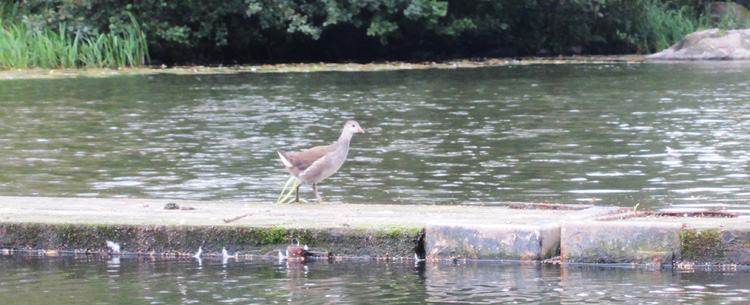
(297, 199)
(315, 190)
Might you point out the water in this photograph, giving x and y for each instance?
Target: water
(95, 280)
(618, 134)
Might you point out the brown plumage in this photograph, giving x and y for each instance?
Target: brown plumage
(318, 163)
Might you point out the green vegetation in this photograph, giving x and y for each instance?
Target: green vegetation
(661, 26)
(286, 192)
(703, 245)
(22, 46)
(104, 33)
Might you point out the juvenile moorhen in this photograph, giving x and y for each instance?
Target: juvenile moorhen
(320, 162)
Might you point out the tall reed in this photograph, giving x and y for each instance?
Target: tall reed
(660, 26)
(24, 47)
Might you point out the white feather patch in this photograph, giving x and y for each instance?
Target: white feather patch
(284, 160)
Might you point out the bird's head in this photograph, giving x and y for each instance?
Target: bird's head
(353, 127)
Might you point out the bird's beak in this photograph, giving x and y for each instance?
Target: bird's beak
(360, 130)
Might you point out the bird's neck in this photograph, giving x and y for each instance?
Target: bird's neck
(345, 137)
(343, 143)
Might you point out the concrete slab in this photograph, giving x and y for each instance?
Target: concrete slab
(715, 240)
(502, 241)
(210, 213)
(699, 223)
(594, 235)
(144, 225)
(534, 241)
(620, 242)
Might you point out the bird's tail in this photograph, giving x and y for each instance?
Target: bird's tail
(284, 158)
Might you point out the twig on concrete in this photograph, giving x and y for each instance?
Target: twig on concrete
(228, 220)
(547, 206)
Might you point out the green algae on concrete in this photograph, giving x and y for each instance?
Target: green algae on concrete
(704, 245)
(620, 242)
(187, 239)
(710, 240)
(517, 242)
(712, 246)
(144, 225)
(736, 246)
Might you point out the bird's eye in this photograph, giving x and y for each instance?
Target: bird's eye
(352, 125)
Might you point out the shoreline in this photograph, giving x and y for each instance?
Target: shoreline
(40, 73)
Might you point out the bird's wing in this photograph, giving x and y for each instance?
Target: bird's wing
(303, 159)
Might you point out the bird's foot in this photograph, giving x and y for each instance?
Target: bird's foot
(315, 190)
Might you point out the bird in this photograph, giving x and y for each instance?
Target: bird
(320, 162)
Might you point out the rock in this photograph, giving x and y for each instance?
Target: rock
(713, 44)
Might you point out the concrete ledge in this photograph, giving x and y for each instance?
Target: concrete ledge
(620, 242)
(520, 242)
(594, 235)
(186, 239)
(534, 241)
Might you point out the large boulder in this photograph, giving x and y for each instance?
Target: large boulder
(713, 44)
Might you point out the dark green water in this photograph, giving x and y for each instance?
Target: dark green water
(29, 280)
(620, 134)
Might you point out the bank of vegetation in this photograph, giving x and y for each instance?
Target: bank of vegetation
(117, 33)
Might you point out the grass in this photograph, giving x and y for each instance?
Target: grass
(25, 47)
(287, 191)
(660, 26)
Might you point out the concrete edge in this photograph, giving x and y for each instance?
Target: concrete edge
(180, 239)
(578, 238)
(620, 242)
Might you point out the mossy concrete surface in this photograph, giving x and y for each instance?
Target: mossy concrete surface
(710, 240)
(518, 242)
(185, 240)
(144, 225)
(594, 235)
(620, 242)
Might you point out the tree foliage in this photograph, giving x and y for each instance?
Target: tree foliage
(279, 30)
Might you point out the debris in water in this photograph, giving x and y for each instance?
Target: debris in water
(295, 253)
(557, 260)
(417, 259)
(678, 213)
(114, 246)
(301, 253)
(225, 254)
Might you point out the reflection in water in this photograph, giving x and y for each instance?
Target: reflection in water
(654, 134)
(89, 280)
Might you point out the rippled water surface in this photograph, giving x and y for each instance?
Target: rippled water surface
(619, 134)
(30, 280)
